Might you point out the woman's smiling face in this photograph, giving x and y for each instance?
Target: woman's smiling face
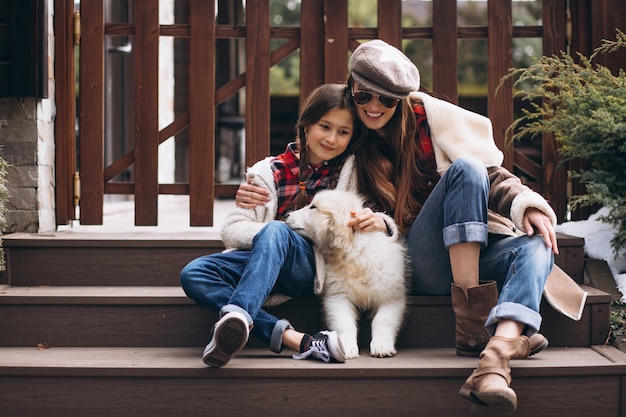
(373, 114)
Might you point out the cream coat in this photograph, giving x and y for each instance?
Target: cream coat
(241, 225)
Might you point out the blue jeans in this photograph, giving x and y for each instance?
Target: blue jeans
(456, 212)
(280, 261)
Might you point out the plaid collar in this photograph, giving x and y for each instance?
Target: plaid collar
(286, 177)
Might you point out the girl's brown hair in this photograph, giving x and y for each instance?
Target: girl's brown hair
(323, 99)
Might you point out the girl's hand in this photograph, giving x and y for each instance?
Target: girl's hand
(535, 221)
(250, 196)
(367, 221)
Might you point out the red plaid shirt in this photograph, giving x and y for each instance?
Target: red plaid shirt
(426, 164)
(423, 133)
(286, 177)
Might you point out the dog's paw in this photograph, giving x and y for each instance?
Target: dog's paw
(351, 348)
(382, 348)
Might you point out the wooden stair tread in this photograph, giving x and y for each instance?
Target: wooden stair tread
(99, 294)
(69, 239)
(163, 316)
(596, 360)
(92, 294)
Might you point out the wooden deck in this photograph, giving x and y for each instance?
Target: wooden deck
(159, 381)
(97, 325)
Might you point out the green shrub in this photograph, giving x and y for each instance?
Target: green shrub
(584, 106)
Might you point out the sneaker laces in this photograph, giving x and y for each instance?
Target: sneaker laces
(317, 350)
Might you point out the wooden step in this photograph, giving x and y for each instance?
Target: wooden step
(572, 382)
(145, 258)
(123, 258)
(164, 317)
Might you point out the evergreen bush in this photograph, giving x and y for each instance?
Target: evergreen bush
(584, 106)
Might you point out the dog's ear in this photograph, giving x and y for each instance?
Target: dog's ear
(338, 235)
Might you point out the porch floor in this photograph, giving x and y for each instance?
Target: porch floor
(173, 217)
(156, 361)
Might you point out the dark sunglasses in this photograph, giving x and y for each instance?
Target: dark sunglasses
(364, 97)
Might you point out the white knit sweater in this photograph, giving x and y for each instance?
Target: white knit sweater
(241, 225)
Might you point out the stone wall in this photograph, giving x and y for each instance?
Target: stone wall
(27, 144)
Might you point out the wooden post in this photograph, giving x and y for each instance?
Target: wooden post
(257, 80)
(202, 113)
(65, 99)
(390, 22)
(91, 126)
(445, 62)
(336, 42)
(311, 46)
(146, 112)
(554, 182)
(500, 41)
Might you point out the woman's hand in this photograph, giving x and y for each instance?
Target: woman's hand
(535, 221)
(250, 196)
(367, 221)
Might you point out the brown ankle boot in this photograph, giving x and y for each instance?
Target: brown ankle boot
(489, 384)
(538, 342)
(471, 313)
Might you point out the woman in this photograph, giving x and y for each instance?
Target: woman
(473, 230)
(440, 175)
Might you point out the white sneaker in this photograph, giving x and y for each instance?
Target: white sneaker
(228, 336)
(325, 346)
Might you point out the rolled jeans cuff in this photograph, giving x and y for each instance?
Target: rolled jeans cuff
(230, 308)
(465, 232)
(276, 340)
(516, 312)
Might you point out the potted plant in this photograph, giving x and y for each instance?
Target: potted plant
(584, 106)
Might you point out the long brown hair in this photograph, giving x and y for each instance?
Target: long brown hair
(323, 99)
(389, 168)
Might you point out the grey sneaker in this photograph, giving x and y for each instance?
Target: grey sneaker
(228, 337)
(325, 346)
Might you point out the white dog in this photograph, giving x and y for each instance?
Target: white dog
(364, 271)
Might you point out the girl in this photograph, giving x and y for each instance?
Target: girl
(265, 256)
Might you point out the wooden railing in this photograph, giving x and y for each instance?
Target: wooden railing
(323, 39)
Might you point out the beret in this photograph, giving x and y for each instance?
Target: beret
(383, 69)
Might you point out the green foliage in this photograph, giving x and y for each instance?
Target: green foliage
(618, 318)
(4, 194)
(583, 106)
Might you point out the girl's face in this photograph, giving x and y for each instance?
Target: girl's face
(373, 114)
(329, 137)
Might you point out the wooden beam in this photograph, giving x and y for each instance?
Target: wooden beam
(311, 46)
(445, 61)
(65, 99)
(91, 126)
(201, 113)
(257, 80)
(500, 41)
(390, 22)
(146, 112)
(336, 42)
(554, 181)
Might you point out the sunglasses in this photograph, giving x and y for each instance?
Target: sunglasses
(364, 97)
